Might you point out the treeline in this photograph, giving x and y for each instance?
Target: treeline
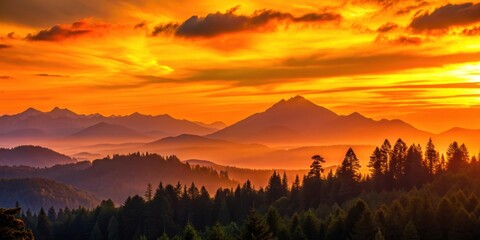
(409, 194)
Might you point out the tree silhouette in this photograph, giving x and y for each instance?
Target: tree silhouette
(11, 227)
(316, 168)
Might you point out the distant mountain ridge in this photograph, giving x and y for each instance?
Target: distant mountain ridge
(60, 123)
(298, 121)
(34, 156)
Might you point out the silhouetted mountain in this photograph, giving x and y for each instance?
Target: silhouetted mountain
(108, 133)
(62, 113)
(60, 123)
(33, 156)
(35, 193)
(124, 175)
(298, 121)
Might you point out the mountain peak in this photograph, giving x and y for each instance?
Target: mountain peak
(62, 112)
(29, 113)
(294, 102)
(298, 99)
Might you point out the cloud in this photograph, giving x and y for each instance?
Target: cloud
(400, 40)
(3, 46)
(474, 31)
(65, 31)
(447, 16)
(221, 23)
(165, 28)
(408, 9)
(49, 75)
(310, 67)
(387, 27)
(5, 77)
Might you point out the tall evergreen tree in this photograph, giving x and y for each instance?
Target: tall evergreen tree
(316, 168)
(397, 159)
(349, 169)
(432, 157)
(44, 228)
(457, 156)
(414, 172)
(376, 168)
(349, 175)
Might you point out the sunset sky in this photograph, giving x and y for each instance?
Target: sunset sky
(224, 60)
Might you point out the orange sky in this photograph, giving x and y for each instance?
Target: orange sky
(415, 60)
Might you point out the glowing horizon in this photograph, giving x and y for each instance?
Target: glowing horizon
(409, 60)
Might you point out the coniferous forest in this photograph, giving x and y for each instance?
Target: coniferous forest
(410, 192)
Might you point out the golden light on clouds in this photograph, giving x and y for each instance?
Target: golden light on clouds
(224, 60)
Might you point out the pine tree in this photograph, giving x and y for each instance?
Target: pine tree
(350, 167)
(274, 188)
(148, 193)
(349, 175)
(11, 227)
(375, 163)
(316, 168)
(456, 156)
(44, 228)
(413, 170)
(397, 159)
(255, 228)
(432, 157)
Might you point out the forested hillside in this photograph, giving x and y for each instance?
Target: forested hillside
(120, 176)
(35, 193)
(34, 156)
(409, 194)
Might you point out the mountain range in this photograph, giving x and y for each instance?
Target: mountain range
(297, 121)
(64, 125)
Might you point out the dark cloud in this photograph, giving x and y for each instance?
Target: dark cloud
(446, 16)
(2, 46)
(220, 23)
(49, 75)
(474, 31)
(165, 28)
(5, 77)
(66, 31)
(405, 40)
(140, 25)
(387, 27)
(56, 33)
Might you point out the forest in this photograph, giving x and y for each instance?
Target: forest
(408, 193)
